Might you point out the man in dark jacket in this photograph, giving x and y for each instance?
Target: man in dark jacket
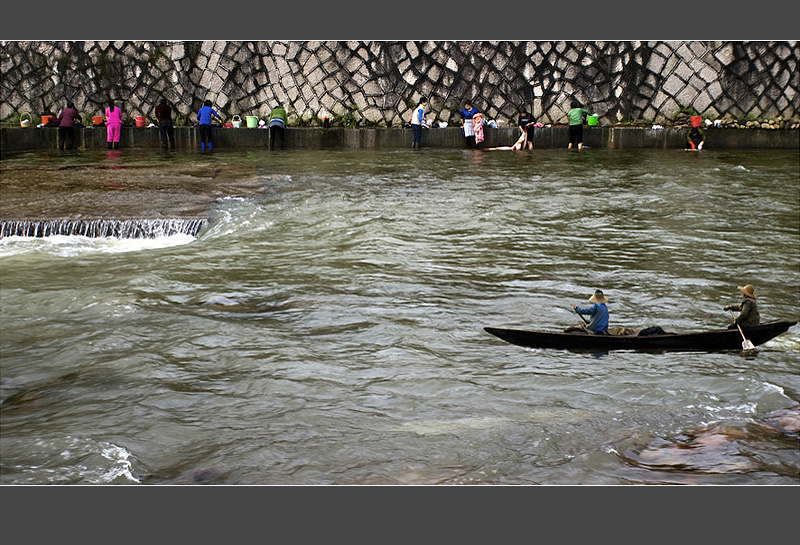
(748, 308)
(165, 126)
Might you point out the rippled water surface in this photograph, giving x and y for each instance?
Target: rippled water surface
(326, 327)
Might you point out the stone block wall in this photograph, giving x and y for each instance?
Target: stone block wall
(377, 83)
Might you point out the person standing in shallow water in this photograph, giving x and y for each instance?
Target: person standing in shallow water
(417, 119)
(575, 116)
(467, 123)
(165, 125)
(113, 125)
(526, 127)
(204, 117)
(66, 126)
(277, 126)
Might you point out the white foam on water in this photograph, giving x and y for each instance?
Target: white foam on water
(74, 245)
(121, 467)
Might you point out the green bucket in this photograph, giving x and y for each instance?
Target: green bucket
(252, 122)
(591, 120)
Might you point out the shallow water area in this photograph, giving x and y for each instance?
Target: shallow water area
(326, 326)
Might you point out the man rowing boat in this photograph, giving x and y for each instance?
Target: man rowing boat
(748, 308)
(598, 325)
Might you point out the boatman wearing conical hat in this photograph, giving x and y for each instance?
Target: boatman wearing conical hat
(748, 308)
(598, 311)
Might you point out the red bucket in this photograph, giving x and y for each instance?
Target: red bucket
(97, 119)
(697, 120)
(140, 121)
(46, 119)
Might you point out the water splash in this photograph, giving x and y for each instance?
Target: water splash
(102, 228)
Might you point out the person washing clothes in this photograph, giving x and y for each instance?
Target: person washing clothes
(526, 127)
(417, 121)
(113, 125)
(467, 113)
(205, 116)
(575, 116)
(66, 126)
(166, 128)
(696, 138)
(277, 126)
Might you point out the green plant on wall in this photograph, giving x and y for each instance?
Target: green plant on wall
(371, 124)
(686, 111)
(349, 119)
(308, 120)
(14, 120)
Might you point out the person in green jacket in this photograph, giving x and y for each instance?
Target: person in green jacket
(277, 125)
(748, 308)
(576, 116)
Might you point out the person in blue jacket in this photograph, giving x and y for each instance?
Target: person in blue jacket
(204, 116)
(599, 313)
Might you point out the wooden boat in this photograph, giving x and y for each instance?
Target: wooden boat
(713, 340)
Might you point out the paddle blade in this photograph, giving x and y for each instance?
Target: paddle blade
(747, 345)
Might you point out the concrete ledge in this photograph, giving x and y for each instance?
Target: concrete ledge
(14, 139)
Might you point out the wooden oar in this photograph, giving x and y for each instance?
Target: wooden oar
(746, 345)
(585, 321)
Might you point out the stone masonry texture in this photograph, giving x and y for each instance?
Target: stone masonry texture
(377, 83)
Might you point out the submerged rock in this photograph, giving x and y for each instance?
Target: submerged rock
(726, 448)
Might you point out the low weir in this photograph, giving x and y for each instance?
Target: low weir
(90, 138)
(127, 228)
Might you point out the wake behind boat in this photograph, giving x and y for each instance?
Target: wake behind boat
(626, 339)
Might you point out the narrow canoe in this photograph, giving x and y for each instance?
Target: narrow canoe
(718, 339)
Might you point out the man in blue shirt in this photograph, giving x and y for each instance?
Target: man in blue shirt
(598, 311)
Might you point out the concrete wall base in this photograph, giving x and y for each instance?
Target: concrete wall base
(14, 139)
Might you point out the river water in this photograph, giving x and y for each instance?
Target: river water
(326, 327)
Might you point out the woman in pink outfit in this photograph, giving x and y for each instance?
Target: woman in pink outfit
(113, 125)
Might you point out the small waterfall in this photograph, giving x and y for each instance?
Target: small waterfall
(129, 228)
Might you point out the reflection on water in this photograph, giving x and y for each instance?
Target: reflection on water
(326, 325)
